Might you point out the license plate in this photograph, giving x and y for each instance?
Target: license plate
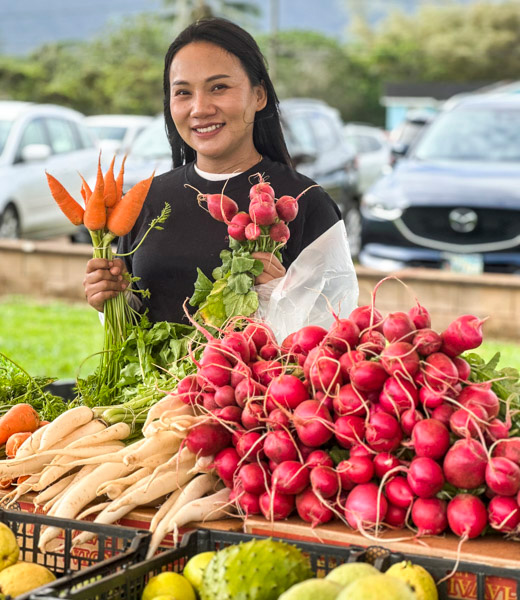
(469, 264)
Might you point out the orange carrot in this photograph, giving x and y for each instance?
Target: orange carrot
(125, 213)
(15, 441)
(43, 423)
(21, 478)
(20, 417)
(119, 180)
(5, 483)
(70, 208)
(110, 186)
(86, 192)
(95, 211)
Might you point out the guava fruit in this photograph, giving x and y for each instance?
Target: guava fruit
(417, 577)
(377, 586)
(312, 589)
(347, 573)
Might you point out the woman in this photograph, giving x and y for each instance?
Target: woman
(223, 125)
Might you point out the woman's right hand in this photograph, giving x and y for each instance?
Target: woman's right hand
(104, 279)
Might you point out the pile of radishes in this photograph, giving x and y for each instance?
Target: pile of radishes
(422, 446)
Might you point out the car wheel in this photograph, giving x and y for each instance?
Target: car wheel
(10, 223)
(353, 226)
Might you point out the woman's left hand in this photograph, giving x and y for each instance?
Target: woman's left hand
(273, 268)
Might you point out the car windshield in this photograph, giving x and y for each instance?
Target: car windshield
(5, 126)
(480, 134)
(108, 133)
(152, 142)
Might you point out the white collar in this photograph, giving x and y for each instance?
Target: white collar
(214, 176)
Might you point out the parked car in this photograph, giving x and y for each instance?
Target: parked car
(35, 138)
(454, 200)
(116, 133)
(405, 134)
(373, 150)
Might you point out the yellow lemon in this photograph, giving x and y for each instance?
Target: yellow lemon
(194, 568)
(417, 578)
(168, 584)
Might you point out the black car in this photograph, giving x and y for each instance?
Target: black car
(454, 200)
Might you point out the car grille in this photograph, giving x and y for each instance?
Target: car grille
(433, 223)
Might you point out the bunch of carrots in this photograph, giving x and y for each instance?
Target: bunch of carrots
(108, 214)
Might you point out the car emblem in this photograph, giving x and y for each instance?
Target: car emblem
(463, 220)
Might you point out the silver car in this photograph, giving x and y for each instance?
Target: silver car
(35, 138)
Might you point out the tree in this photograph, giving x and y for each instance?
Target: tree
(184, 12)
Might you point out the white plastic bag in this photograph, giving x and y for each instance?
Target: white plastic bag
(323, 273)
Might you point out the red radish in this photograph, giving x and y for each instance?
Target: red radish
(463, 367)
(225, 396)
(325, 399)
(307, 338)
(247, 389)
(503, 476)
(465, 463)
(368, 376)
(427, 341)
(398, 395)
(290, 477)
(312, 510)
(400, 358)
(250, 446)
(277, 419)
(358, 469)
(349, 430)
(367, 317)
(348, 401)
(237, 226)
(420, 317)
(316, 353)
(383, 432)
(409, 419)
(189, 390)
(279, 446)
(313, 423)
(269, 352)
(208, 401)
(252, 232)
(365, 506)
(276, 506)
(206, 439)
(260, 333)
(265, 371)
(498, 430)
(287, 208)
(279, 232)
(324, 373)
(220, 207)
(232, 414)
(431, 399)
(324, 481)
(343, 335)
(384, 462)
(482, 394)
(249, 503)
(399, 492)
(398, 327)
(253, 415)
(226, 463)
(238, 373)
(467, 516)
(430, 516)
(430, 438)
(262, 187)
(443, 413)
(254, 477)
(464, 333)
(439, 372)
(305, 451)
(319, 458)
(348, 359)
(262, 212)
(372, 342)
(235, 345)
(425, 477)
(509, 448)
(504, 513)
(360, 450)
(287, 391)
(395, 516)
(467, 421)
(215, 371)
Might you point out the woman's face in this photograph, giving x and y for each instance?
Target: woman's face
(213, 106)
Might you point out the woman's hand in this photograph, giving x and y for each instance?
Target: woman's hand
(273, 268)
(104, 279)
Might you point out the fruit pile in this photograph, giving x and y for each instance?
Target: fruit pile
(377, 420)
(265, 569)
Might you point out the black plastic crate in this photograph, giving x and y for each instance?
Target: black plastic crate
(129, 584)
(116, 548)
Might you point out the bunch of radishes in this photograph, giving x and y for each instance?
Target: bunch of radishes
(423, 446)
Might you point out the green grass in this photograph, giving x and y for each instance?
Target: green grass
(50, 338)
(53, 338)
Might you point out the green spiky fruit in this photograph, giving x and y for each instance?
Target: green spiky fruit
(260, 569)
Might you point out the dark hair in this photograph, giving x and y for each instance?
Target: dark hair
(267, 129)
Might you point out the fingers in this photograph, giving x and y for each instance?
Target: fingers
(273, 268)
(104, 279)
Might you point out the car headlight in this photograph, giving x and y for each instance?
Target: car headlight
(379, 208)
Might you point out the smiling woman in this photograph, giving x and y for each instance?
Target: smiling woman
(223, 125)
